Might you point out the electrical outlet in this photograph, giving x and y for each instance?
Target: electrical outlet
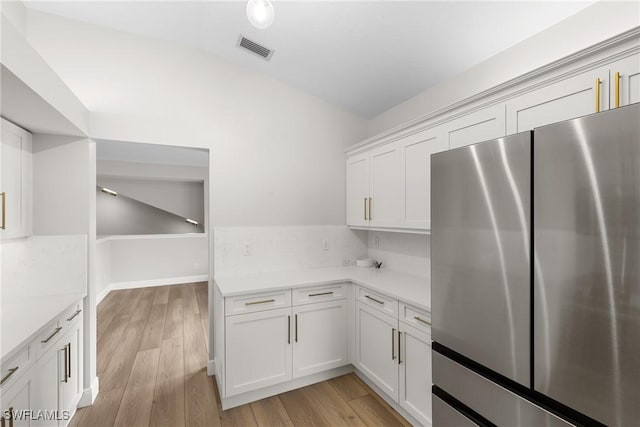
(346, 262)
(247, 249)
(376, 242)
(325, 245)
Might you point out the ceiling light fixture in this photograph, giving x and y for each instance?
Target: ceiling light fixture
(190, 221)
(260, 13)
(106, 190)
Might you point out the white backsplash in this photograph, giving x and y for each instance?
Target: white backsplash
(408, 253)
(44, 265)
(240, 250)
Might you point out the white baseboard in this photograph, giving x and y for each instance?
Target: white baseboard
(89, 395)
(211, 368)
(148, 283)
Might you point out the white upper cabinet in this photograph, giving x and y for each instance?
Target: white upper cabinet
(416, 158)
(483, 125)
(576, 96)
(357, 190)
(625, 81)
(17, 182)
(386, 185)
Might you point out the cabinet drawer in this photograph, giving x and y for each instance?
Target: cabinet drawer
(415, 317)
(16, 365)
(71, 315)
(48, 336)
(319, 294)
(373, 299)
(257, 302)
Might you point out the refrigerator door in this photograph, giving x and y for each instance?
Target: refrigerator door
(480, 249)
(587, 264)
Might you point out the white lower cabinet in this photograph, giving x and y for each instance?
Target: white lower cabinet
(376, 348)
(44, 377)
(320, 337)
(20, 396)
(415, 372)
(258, 350)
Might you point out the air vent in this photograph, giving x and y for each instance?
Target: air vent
(254, 48)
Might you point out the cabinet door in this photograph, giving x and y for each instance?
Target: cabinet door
(258, 350)
(16, 181)
(72, 388)
(385, 207)
(564, 100)
(415, 372)
(376, 351)
(50, 377)
(628, 89)
(320, 337)
(483, 125)
(416, 158)
(20, 396)
(357, 190)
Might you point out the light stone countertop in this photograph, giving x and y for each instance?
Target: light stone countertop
(413, 290)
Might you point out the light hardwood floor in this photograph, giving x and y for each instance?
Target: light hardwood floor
(152, 356)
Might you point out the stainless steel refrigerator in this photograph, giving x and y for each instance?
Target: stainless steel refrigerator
(535, 252)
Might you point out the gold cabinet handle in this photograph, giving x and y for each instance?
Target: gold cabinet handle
(66, 364)
(617, 77)
(598, 95)
(296, 331)
(4, 210)
(321, 293)
(46, 340)
(73, 316)
(370, 208)
(260, 302)
(288, 329)
(393, 344)
(373, 299)
(420, 319)
(69, 360)
(399, 348)
(364, 209)
(9, 374)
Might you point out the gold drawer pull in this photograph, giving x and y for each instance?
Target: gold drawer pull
(73, 316)
(4, 210)
(598, 95)
(420, 319)
(260, 302)
(373, 299)
(58, 329)
(617, 77)
(6, 377)
(321, 293)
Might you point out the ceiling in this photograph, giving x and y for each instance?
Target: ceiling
(151, 153)
(363, 56)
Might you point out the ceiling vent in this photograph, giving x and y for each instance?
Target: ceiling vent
(254, 48)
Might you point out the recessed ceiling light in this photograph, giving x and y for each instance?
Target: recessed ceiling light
(260, 13)
(106, 190)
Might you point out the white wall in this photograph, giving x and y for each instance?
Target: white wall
(276, 153)
(185, 199)
(601, 21)
(408, 253)
(135, 261)
(284, 248)
(136, 170)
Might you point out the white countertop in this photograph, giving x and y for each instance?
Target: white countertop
(23, 317)
(410, 289)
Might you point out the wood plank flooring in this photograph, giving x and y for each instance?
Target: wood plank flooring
(152, 358)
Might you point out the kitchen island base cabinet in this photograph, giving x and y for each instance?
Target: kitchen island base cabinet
(320, 337)
(258, 350)
(376, 348)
